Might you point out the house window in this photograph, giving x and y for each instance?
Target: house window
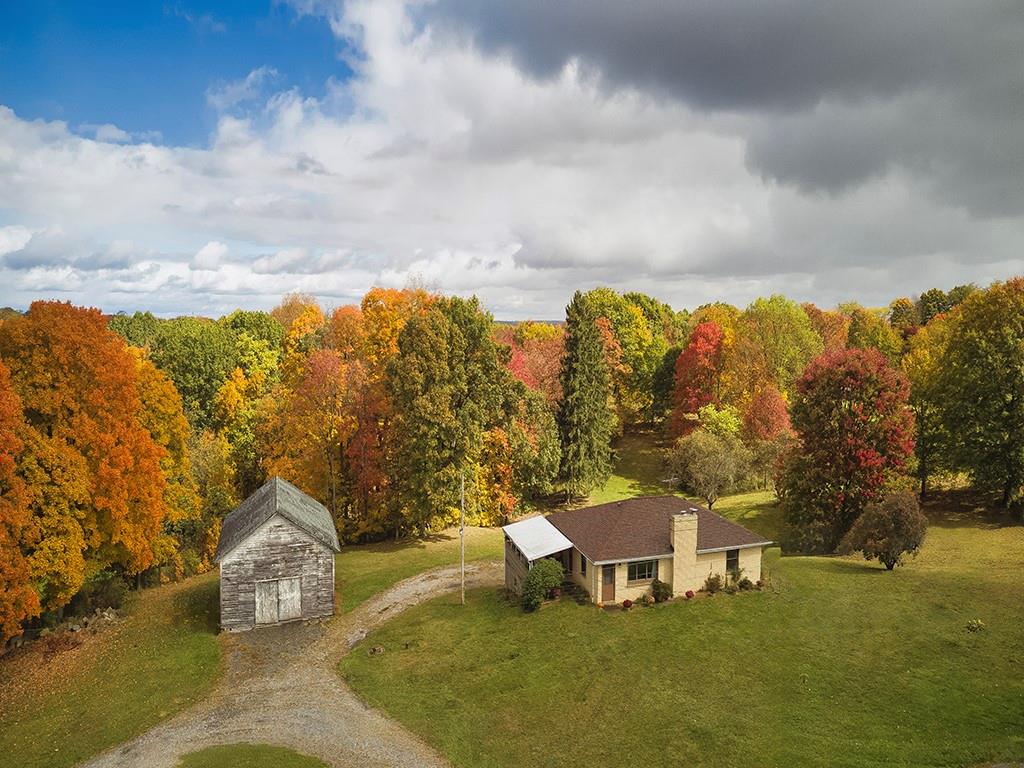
(732, 561)
(583, 565)
(645, 570)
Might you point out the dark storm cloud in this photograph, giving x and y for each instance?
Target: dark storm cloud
(829, 93)
(748, 54)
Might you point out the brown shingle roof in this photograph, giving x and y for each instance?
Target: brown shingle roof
(642, 527)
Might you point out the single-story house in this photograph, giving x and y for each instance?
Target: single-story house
(615, 550)
(276, 555)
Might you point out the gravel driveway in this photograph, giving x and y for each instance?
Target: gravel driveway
(281, 686)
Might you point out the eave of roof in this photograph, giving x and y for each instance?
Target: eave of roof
(641, 528)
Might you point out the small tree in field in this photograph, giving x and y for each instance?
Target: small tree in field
(545, 575)
(888, 529)
(710, 465)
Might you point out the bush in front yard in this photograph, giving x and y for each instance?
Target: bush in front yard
(888, 529)
(545, 576)
(660, 591)
(713, 583)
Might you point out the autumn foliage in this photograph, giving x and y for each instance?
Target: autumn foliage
(698, 375)
(125, 441)
(18, 600)
(79, 386)
(855, 435)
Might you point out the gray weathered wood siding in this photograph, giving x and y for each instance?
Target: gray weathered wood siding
(277, 550)
(516, 567)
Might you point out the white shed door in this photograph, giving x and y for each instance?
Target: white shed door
(289, 599)
(266, 602)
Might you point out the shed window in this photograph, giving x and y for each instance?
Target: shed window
(732, 561)
(644, 570)
(583, 565)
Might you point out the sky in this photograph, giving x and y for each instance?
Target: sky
(195, 157)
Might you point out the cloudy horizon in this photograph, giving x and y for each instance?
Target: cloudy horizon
(514, 150)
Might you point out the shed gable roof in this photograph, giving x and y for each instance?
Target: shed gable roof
(277, 497)
(642, 527)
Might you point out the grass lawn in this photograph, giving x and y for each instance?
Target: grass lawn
(58, 709)
(639, 469)
(838, 663)
(248, 756)
(362, 571)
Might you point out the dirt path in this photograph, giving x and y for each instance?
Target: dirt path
(281, 686)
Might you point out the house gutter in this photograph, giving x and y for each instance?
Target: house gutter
(740, 546)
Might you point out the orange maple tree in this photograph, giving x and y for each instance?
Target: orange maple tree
(79, 386)
(18, 600)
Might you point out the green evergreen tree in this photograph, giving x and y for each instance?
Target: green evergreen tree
(586, 421)
(448, 384)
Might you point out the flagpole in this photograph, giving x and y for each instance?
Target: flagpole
(462, 530)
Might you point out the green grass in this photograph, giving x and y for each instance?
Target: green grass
(248, 756)
(639, 469)
(837, 663)
(363, 571)
(56, 711)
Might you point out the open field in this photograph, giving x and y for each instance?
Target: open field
(248, 756)
(59, 707)
(838, 663)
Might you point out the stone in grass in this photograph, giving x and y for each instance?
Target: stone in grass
(376, 650)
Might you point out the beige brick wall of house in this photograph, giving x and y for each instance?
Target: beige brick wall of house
(591, 581)
(684, 545)
(628, 590)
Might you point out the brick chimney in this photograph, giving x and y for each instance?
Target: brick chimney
(684, 552)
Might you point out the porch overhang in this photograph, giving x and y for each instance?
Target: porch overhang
(536, 538)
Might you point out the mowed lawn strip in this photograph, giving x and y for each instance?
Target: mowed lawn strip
(838, 663)
(361, 571)
(57, 711)
(249, 756)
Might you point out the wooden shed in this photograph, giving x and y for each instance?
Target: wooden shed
(276, 556)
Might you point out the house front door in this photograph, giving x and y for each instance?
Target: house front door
(608, 584)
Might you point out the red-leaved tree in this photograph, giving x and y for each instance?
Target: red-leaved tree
(698, 376)
(766, 416)
(855, 434)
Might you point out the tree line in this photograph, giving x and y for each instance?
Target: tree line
(125, 440)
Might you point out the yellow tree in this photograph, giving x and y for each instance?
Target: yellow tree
(164, 416)
(727, 318)
(385, 313)
(302, 338)
(59, 484)
(312, 425)
(925, 368)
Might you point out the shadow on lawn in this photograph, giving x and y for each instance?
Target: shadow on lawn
(966, 508)
(198, 604)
